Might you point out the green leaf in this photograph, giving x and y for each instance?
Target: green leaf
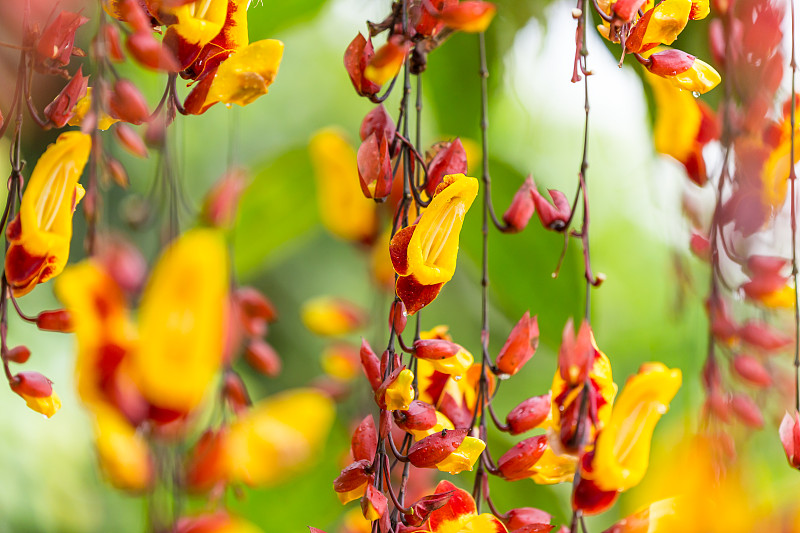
(276, 209)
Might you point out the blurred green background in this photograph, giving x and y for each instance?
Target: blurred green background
(644, 310)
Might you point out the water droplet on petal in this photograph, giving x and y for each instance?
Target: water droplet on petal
(695, 94)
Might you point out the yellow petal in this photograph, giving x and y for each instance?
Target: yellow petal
(123, 454)
(551, 468)
(623, 448)
(247, 74)
(433, 248)
(344, 210)
(181, 321)
(279, 436)
(400, 393)
(678, 118)
(668, 21)
(701, 78)
(83, 106)
(456, 365)
(200, 21)
(46, 405)
(463, 457)
(50, 197)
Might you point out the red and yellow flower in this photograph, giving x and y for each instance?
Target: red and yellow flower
(460, 515)
(39, 236)
(424, 254)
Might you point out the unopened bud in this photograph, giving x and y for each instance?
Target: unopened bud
(398, 316)
(529, 414)
(364, 443)
(433, 449)
(18, 354)
(31, 384)
(235, 392)
(373, 504)
(517, 462)
(57, 320)
(520, 345)
(263, 357)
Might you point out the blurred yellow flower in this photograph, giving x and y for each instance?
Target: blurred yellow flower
(181, 320)
(342, 207)
(278, 436)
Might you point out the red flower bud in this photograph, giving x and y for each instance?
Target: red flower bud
(790, 438)
(751, 370)
(127, 103)
(670, 63)
(520, 345)
(423, 507)
(522, 207)
(516, 463)
(263, 357)
(435, 349)
(61, 109)
(117, 172)
(763, 336)
(221, 202)
(575, 353)
(627, 9)
(384, 425)
(525, 516)
(112, 43)
(700, 246)
(371, 365)
(57, 320)
(747, 411)
(133, 12)
(32, 384)
(353, 476)
(358, 54)
(433, 449)
(418, 417)
(123, 262)
(552, 216)
(378, 122)
(718, 404)
(235, 392)
(449, 158)
(18, 354)
(398, 316)
(205, 467)
(364, 443)
(57, 40)
(529, 414)
(129, 140)
(375, 167)
(150, 53)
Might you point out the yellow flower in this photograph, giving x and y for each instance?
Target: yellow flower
(247, 74)
(181, 320)
(400, 393)
(278, 436)
(40, 235)
(622, 449)
(464, 457)
(342, 207)
(123, 454)
(433, 248)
